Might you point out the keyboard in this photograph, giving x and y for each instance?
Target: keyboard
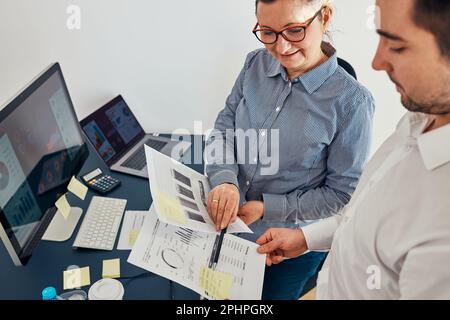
(100, 224)
(137, 160)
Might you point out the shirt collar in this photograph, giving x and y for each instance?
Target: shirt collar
(274, 69)
(434, 146)
(313, 79)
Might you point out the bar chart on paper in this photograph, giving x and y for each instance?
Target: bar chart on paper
(189, 237)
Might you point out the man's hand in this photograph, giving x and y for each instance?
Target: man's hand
(251, 211)
(280, 243)
(223, 205)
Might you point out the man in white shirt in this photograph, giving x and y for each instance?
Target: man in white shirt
(392, 240)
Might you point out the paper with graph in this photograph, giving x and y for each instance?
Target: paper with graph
(180, 194)
(184, 256)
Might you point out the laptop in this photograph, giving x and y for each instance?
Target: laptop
(119, 139)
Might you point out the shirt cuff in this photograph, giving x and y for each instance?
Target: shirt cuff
(274, 208)
(221, 177)
(319, 235)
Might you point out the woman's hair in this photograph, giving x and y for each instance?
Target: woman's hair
(309, 2)
(433, 16)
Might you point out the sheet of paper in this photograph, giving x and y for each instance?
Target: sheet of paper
(179, 254)
(111, 268)
(77, 188)
(180, 194)
(132, 223)
(216, 284)
(63, 206)
(240, 258)
(76, 278)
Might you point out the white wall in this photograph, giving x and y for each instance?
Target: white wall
(173, 61)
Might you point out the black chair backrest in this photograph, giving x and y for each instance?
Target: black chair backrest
(347, 67)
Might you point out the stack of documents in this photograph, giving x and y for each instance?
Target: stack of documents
(178, 240)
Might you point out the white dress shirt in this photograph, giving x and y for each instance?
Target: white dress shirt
(392, 240)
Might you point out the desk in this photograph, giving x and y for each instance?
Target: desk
(50, 259)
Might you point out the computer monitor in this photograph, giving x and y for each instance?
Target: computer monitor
(41, 148)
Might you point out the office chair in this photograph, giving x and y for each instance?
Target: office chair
(347, 67)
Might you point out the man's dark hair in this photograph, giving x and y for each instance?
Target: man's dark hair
(434, 16)
(263, 1)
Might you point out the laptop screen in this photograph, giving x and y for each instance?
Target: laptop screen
(112, 130)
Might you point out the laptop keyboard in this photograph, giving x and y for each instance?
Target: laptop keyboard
(137, 160)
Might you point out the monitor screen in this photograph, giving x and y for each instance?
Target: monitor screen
(112, 130)
(41, 148)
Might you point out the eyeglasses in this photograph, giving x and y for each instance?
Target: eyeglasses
(292, 33)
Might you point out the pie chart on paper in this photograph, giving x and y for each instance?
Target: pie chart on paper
(4, 176)
(172, 258)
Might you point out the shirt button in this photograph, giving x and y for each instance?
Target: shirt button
(263, 133)
(247, 183)
(278, 109)
(255, 160)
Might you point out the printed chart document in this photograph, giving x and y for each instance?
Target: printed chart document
(132, 223)
(184, 256)
(180, 194)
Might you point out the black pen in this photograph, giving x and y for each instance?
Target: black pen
(216, 252)
(216, 249)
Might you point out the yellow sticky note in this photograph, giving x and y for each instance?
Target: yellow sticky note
(77, 188)
(76, 278)
(216, 284)
(111, 268)
(170, 208)
(132, 236)
(63, 206)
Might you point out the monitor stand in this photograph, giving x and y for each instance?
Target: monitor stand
(61, 229)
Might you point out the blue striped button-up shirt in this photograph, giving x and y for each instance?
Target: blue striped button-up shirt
(323, 124)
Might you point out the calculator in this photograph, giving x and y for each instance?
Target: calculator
(100, 182)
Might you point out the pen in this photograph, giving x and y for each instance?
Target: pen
(216, 250)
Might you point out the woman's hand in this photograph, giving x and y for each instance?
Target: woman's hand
(251, 211)
(223, 205)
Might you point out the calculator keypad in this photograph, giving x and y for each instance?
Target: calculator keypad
(104, 183)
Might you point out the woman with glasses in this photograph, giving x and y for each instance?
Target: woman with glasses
(293, 138)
